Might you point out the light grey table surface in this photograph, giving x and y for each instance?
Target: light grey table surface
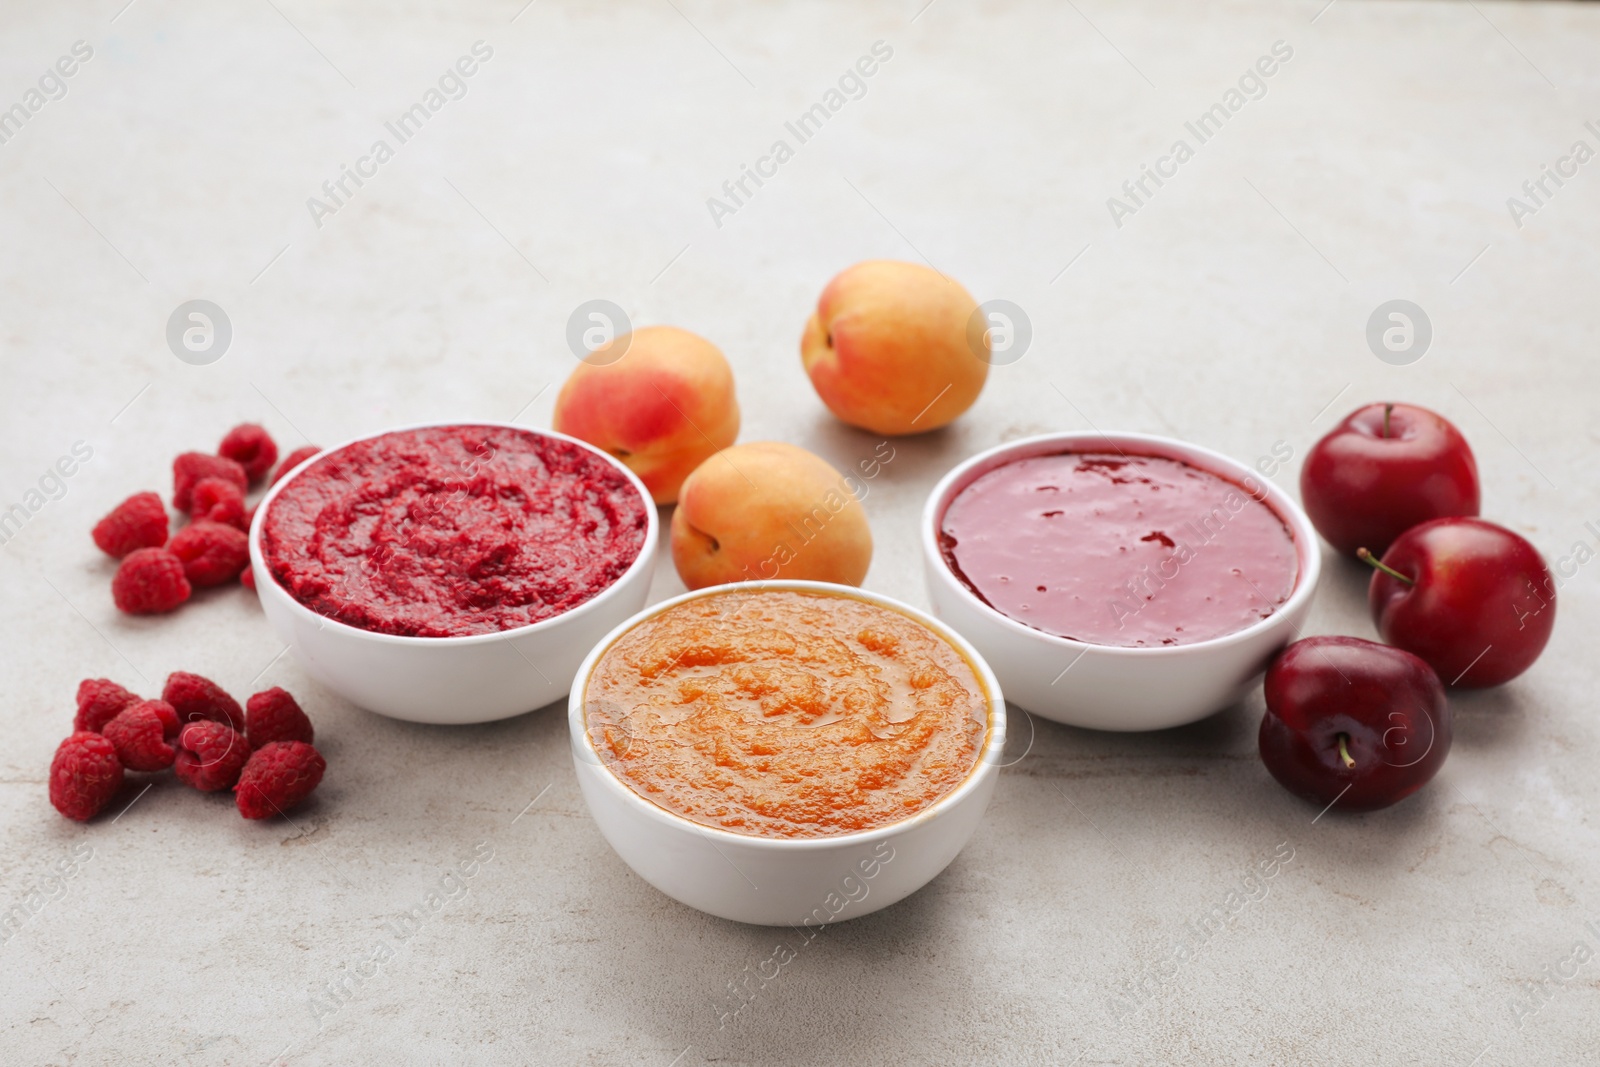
(1229, 308)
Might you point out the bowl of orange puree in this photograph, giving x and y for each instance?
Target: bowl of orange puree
(786, 753)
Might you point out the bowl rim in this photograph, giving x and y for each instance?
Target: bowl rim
(644, 559)
(1307, 550)
(984, 767)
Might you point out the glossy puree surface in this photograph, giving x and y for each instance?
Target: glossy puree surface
(1112, 549)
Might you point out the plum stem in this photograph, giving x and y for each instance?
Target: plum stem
(1367, 557)
(1386, 409)
(1344, 752)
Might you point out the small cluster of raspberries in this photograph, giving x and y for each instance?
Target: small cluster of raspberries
(261, 751)
(159, 572)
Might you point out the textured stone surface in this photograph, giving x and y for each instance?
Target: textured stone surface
(1229, 309)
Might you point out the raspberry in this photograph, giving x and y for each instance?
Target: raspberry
(274, 716)
(149, 581)
(141, 735)
(189, 468)
(210, 756)
(218, 500)
(84, 775)
(99, 701)
(252, 448)
(279, 776)
(212, 553)
(198, 699)
(293, 460)
(138, 522)
(247, 578)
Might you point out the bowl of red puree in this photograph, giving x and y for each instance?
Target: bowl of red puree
(455, 572)
(1118, 581)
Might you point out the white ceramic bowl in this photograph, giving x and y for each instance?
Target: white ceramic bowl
(1100, 686)
(773, 881)
(452, 680)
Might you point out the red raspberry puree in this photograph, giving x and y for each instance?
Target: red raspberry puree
(1116, 549)
(452, 530)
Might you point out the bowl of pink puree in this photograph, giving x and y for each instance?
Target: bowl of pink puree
(1118, 581)
(452, 572)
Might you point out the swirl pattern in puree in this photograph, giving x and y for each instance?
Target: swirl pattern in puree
(785, 713)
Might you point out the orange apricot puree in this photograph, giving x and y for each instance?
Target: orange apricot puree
(786, 714)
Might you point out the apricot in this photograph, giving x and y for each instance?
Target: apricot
(887, 349)
(661, 408)
(769, 510)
